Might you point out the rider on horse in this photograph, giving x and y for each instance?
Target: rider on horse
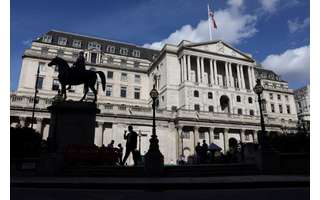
(79, 65)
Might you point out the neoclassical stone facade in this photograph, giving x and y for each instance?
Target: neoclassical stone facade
(206, 92)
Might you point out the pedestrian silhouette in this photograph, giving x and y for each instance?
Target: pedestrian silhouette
(110, 145)
(204, 150)
(120, 149)
(131, 144)
(198, 152)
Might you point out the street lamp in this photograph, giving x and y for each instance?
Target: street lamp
(35, 96)
(154, 158)
(258, 89)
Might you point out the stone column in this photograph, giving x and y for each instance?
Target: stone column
(202, 70)
(189, 68)
(227, 74)
(226, 140)
(242, 77)
(215, 72)
(250, 78)
(231, 78)
(179, 141)
(184, 67)
(98, 136)
(211, 135)
(182, 70)
(198, 69)
(253, 78)
(255, 136)
(242, 135)
(238, 76)
(196, 136)
(39, 126)
(211, 72)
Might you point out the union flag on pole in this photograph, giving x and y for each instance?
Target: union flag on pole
(211, 16)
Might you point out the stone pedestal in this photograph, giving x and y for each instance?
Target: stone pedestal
(72, 123)
(153, 162)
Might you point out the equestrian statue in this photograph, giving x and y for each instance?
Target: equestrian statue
(76, 75)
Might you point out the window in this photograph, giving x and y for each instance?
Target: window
(123, 92)
(40, 83)
(123, 62)
(136, 53)
(196, 93)
(94, 45)
(197, 107)
(124, 51)
(62, 41)
(137, 93)
(299, 104)
(250, 99)
(288, 109)
(239, 111)
(41, 66)
(216, 136)
(111, 49)
(44, 50)
(136, 64)
(55, 84)
(109, 59)
(93, 57)
(286, 97)
(210, 95)
(279, 97)
(109, 91)
(280, 108)
(238, 98)
(109, 75)
(271, 96)
(251, 113)
(202, 135)
(210, 108)
(47, 38)
(76, 43)
(137, 78)
(124, 77)
(272, 108)
(60, 52)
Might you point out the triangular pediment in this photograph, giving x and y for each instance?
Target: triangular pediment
(219, 47)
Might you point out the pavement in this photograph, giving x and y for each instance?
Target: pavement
(166, 183)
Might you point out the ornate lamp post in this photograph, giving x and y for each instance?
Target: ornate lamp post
(35, 97)
(154, 158)
(258, 89)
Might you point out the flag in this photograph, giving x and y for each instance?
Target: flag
(211, 17)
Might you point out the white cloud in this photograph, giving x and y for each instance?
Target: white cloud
(269, 5)
(235, 3)
(295, 25)
(233, 27)
(293, 64)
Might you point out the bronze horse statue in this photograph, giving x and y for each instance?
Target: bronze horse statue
(73, 76)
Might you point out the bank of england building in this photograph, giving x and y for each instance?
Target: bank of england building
(205, 92)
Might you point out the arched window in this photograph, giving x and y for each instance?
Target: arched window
(250, 99)
(196, 93)
(209, 95)
(238, 98)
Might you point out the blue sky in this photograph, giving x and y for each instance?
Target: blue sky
(275, 32)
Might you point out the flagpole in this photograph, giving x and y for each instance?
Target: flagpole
(209, 23)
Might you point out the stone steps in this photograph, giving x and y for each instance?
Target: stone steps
(169, 171)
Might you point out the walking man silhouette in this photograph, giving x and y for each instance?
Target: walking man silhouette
(131, 144)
